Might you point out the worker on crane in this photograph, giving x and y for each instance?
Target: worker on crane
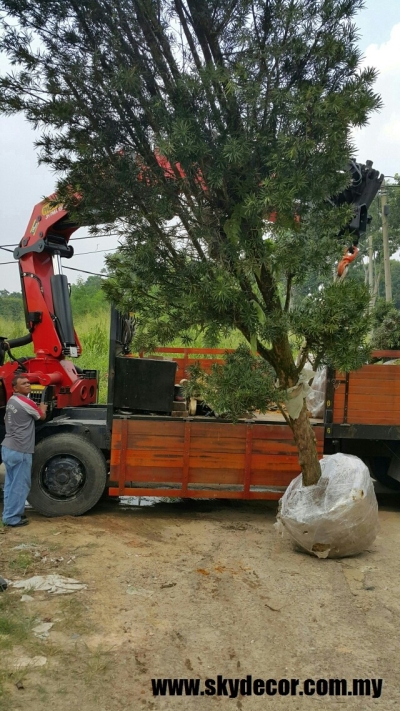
(365, 183)
(349, 255)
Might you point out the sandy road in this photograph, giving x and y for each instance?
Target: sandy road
(197, 589)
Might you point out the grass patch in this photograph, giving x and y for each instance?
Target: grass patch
(15, 625)
(76, 615)
(21, 563)
(6, 678)
(96, 663)
(72, 617)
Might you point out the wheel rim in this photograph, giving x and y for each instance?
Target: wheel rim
(62, 477)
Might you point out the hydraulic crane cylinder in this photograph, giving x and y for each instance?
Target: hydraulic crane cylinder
(62, 310)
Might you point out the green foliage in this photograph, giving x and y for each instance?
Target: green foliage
(15, 329)
(395, 275)
(87, 297)
(94, 335)
(335, 323)
(243, 384)
(11, 307)
(382, 309)
(375, 232)
(386, 334)
(393, 201)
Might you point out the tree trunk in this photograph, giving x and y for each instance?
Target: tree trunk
(306, 442)
(303, 433)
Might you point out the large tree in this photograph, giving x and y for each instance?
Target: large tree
(186, 124)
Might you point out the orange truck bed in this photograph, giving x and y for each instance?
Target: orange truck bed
(203, 458)
(368, 396)
(254, 459)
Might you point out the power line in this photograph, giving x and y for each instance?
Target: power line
(96, 251)
(95, 236)
(73, 239)
(104, 276)
(78, 254)
(74, 269)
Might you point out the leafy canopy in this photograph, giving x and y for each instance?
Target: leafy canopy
(386, 321)
(185, 124)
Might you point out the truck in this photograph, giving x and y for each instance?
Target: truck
(143, 441)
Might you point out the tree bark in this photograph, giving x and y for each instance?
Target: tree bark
(306, 442)
(303, 432)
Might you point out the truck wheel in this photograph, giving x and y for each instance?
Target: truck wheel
(68, 476)
(386, 471)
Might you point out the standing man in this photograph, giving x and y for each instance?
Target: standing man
(17, 449)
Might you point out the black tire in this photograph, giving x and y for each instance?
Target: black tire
(380, 467)
(68, 475)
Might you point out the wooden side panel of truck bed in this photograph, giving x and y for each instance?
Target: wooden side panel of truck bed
(203, 458)
(370, 396)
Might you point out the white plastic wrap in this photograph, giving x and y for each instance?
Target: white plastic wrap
(338, 516)
(316, 398)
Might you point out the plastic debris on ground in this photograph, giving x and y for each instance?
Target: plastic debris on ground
(42, 630)
(316, 398)
(56, 584)
(338, 516)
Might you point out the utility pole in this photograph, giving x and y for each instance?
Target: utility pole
(370, 264)
(385, 238)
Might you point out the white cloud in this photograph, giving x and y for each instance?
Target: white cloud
(391, 130)
(380, 140)
(385, 57)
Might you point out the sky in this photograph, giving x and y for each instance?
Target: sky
(23, 183)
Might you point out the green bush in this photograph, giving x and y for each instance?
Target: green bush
(386, 319)
(244, 383)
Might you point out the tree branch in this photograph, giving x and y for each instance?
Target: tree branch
(288, 292)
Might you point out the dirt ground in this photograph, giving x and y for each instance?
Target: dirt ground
(194, 589)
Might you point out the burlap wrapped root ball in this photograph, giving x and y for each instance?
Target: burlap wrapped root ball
(338, 516)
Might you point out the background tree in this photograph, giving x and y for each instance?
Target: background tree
(395, 274)
(386, 326)
(187, 123)
(11, 306)
(87, 296)
(393, 200)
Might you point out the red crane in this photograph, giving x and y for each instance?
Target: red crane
(48, 312)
